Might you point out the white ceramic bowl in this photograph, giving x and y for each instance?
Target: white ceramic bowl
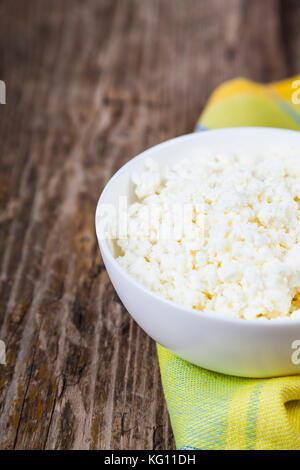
(232, 346)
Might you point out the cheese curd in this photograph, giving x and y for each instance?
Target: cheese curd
(219, 233)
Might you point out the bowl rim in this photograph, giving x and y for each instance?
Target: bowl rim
(272, 323)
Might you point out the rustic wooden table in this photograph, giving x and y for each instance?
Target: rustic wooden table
(89, 85)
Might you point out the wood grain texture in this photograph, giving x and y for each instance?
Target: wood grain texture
(89, 85)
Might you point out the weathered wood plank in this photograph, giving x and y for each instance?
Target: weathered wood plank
(89, 85)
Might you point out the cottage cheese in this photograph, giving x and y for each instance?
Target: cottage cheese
(240, 256)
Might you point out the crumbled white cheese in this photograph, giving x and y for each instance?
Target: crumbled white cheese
(219, 233)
